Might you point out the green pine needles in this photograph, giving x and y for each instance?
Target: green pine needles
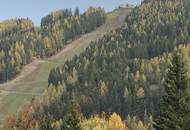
(175, 104)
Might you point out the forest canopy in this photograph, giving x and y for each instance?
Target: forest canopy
(124, 72)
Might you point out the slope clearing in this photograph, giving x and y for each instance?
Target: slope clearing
(33, 78)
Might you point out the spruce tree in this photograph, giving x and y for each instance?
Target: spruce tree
(71, 120)
(175, 104)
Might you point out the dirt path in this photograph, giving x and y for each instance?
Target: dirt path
(27, 70)
(70, 46)
(17, 92)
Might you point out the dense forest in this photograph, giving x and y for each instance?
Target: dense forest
(59, 27)
(21, 42)
(116, 74)
(138, 71)
(50, 112)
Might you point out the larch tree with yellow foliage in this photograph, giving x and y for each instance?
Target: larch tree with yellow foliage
(101, 123)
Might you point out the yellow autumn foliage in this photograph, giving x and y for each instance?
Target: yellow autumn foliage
(97, 123)
(115, 123)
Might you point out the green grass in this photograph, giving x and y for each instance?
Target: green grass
(37, 80)
(12, 103)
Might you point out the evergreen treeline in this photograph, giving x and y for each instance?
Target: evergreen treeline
(157, 26)
(21, 42)
(62, 26)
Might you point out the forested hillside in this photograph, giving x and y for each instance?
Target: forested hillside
(62, 26)
(157, 27)
(32, 80)
(123, 72)
(116, 74)
(21, 42)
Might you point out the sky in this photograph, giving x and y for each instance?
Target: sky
(36, 9)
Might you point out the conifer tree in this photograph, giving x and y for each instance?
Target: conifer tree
(175, 104)
(71, 120)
